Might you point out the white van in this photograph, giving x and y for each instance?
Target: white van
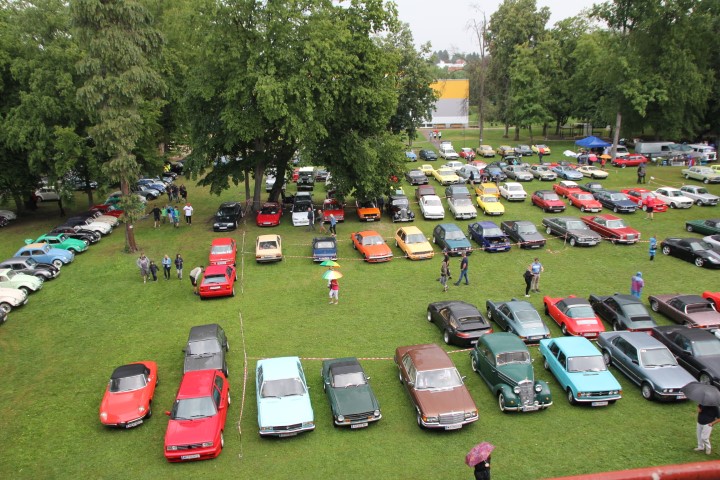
(448, 153)
(705, 152)
(663, 149)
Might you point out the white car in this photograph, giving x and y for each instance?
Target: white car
(11, 298)
(453, 165)
(109, 219)
(8, 214)
(592, 171)
(300, 213)
(543, 173)
(699, 194)
(100, 227)
(513, 191)
(431, 207)
(46, 194)
(462, 208)
(673, 197)
(713, 241)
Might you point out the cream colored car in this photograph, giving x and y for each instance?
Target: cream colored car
(268, 248)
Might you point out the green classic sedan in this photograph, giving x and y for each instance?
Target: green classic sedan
(62, 242)
(351, 398)
(706, 227)
(20, 281)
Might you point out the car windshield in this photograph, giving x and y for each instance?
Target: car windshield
(514, 188)
(212, 279)
(415, 238)
(454, 235)
(580, 311)
(10, 274)
(444, 173)
(324, 244)
(400, 202)
(372, 240)
(586, 364)
(657, 357)
(585, 196)
(221, 249)
(367, 204)
(493, 232)
(700, 245)
(490, 199)
(551, 196)
(191, 408)
(31, 262)
(575, 225)
(615, 224)
(433, 202)
(200, 347)
(267, 210)
(674, 193)
(527, 230)
(352, 379)
(512, 357)
(127, 384)
(285, 387)
(438, 379)
(703, 348)
(463, 202)
(529, 318)
(300, 207)
(701, 190)
(634, 310)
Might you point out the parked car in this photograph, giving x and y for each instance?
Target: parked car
(505, 150)
(590, 187)
(436, 388)
(574, 315)
(62, 242)
(223, 251)
(523, 151)
(128, 397)
(283, 398)
(540, 148)
(592, 171)
(367, 210)
(269, 215)
(428, 155)
(690, 310)
(467, 154)
(268, 248)
(26, 283)
(206, 348)
(691, 250)
(572, 230)
(423, 190)
(489, 236)
(416, 177)
(30, 266)
(352, 400)
(644, 199)
(11, 298)
(519, 173)
(217, 281)
(494, 173)
(673, 197)
(622, 312)
(567, 173)
(469, 174)
(513, 191)
(487, 188)
(324, 248)
(700, 195)
(490, 205)
(44, 253)
(333, 206)
(398, 208)
(77, 233)
(446, 176)
(306, 178)
(450, 238)
(706, 227)
(580, 370)
(410, 156)
(615, 201)
(612, 228)
(228, 216)
(431, 207)
(371, 246)
(461, 323)
(47, 194)
(584, 201)
(411, 240)
(524, 233)
(518, 317)
(696, 350)
(702, 173)
(566, 187)
(300, 207)
(88, 224)
(461, 208)
(485, 151)
(632, 160)
(543, 173)
(548, 201)
(714, 296)
(426, 169)
(713, 241)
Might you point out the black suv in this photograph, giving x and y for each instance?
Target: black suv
(398, 207)
(228, 216)
(205, 349)
(306, 181)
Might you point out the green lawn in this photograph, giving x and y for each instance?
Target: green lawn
(58, 351)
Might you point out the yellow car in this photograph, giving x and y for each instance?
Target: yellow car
(487, 189)
(490, 205)
(485, 151)
(413, 243)
(427, 169)
(716, 168)
(268, 248)
(505, 150)
(447, 176)
(541, 148)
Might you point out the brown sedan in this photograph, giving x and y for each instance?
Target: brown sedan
(691, 310)
(435, 387)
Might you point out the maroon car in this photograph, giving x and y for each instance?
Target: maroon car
(612, 228)
(548, 201)
(691, 310)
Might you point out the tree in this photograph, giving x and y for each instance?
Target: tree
(527, 91)
(478, 70)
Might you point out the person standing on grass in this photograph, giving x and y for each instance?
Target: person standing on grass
(536, 268)
(636, 285)
(176, 217)
(156, 215)
(463, 270)
(311, 219)
(188, 209)
(144, 265)
(333, 223)
(179, 266)
(641, 173)
(653, 247)
(444, 274)
(167, 264)
(648, 208)
(334, 291)
(320, 221)
(195, 278)
(707, 417)
(153, 270)
(528, 281)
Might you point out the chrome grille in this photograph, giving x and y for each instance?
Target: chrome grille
(294, 426)
(451, 418)
(359, 416)
(527, 394)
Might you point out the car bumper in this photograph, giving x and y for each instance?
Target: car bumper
(127, 424)
(598, 401)
(538, 244)
(220, 227)
(386, 258)
(358, 422)
(290, 431)
(448, 426)
(465, 215)
(420, 255)
(268, 258)
(433, 216)
(367, 218)
(220, 292)
(192, 454)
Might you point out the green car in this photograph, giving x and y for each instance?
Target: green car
(706, 227)
(20, 281)
(62, 242)
(351, 398)
(503, 361)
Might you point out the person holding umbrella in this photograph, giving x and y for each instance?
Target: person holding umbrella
(479, 458)
(332, 277)
(708, 399)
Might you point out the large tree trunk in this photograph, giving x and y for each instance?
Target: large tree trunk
(517, 133)
(507, 131)
(257, 200)
(616, 135)
(531, 134)
(130, 245)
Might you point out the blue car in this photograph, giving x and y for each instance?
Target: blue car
(283, 400)
(324, 248)
(449, 237)
(489, 236)
(580, 370)
(616, 201)
(410, 156)
(44, 253)
(518, 317)
(567, 173)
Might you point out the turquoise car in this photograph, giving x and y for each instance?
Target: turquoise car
(580, 370)
(283, 401)
(450, 238)
(44, 253)
(63, 242)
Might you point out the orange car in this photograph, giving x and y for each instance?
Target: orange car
(367, 210)
(372, 246)
(715, 297)
(128, 396)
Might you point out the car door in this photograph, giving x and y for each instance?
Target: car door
(445, 320)
(682, 348)
(486, 365)
(625, 358)
(220, 397)
(503, 318)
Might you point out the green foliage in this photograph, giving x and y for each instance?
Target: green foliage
(527, 90)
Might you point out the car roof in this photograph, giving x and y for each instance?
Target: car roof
(34, 245)
(278, 367)
(690, 333)
(623, 299)
(130, 371)
(574, 301)
(576, 346)
(222, 241)
(504, 342)
(410, 229)
(197, 383)
(268, 238)
(324, 239)
(203, 332)
(345, 365)
(429, 357)
(686, 299)
(637, 339)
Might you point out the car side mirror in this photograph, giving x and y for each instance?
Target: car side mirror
(167, 412)
(635, 362)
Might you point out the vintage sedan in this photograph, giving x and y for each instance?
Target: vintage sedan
(26, 283)
(229, 215)
(494, 172)
(269, 215)
(333, 206)
(352, 400)
(217, 281)
(398, 208)
(524, 233)
(411, 156)
(128, 397)
(674, 197)
(487, 188)
(543, 173)
(324, 248)
(77, 233)
(283, 398)
(505, 150)
(503, 361)
(574, 315)
(567, 172)
(696, 350)
(485, 151)
(615, 201)
(461, 323)
(706, 227)
(416, 177)
(490, 205)
(436, 388)
(426, 169)
(206, 349)
(11, 298)
(572, 230)
(704, 174)
(489, 236)
(268, 248)
(431, 207)
(467, 154)
(700, 195)
(548, 201)
(518, 317)
(691, 250)
(612, 228)
(714, 296)
(644, 199)
(428, 155)
(461, 208)
(412, 242)
(519, 173)
(29, 266)
(566, 187)
(446, 176)
(713, 241)
(367, 210)
(197, 419)
(540, 148)
(585, 201)
(301, 204)
(592, 171)
(580, 370)
(646, 362)
(690, 310)
(513, 192)
(523, 150)
(62, 242)
(451, 239)
(423, 190)
(223, 251)
(591, 187)
(622, 312)
(372, 246)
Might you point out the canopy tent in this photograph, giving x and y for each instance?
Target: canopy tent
(592, 142)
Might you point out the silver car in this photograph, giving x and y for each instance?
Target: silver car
(699, 195)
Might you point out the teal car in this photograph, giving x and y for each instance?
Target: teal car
(283, 401)
(20, 281)
(61, 241)
(351, 397)
(706, 227)
(580, 370)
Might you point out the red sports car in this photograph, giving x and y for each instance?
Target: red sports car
(128, 397)
(612, 228)
(197, 419)
(217, 281)
(645, 198)
(584, 201)
(548, 201)
(566, 187)
(107, 209)
(574, 315)
(372, 246)
(334, 207)
(632, 160)
(715, 297)
(269, 215)
(222, 252)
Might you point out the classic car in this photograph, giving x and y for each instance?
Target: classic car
(467, 154)
(485, 151)
(461, 208)
(566, 187)
(223, 251)
(457, 191)
(469, 174)
(513, 191)
(567, 173)
(11, 298)
(428, 155)
(591, 187)
(706, 227)
(283, 399)
(416, 177)
(622, 312)
(690, 310)
(129, 394)
(494, 173)
(426, 169)
(518, 317)
(447, 152)
(367, 210)
(704, 174)
(519, 173)
(580, 370)
(300, 207)
(324, 248)
(269, 215)
(574, 315)
(205, 349)
(592, 171)
(673, 197)
(548, 201)
(26, 283)
(644, 198)
(77, 233)
(584, 201)
(523, 150)
(230, 213)
(333, 206)
(691, 250)
(197, 419)
(61, 241)
(44, 253)
(98, 217)
(352, 400)
(321, 174)
(714, 296)
(30, 266)
(217, 281)
(306, 178)
(8, 214)
(700, 195)
(489, 236)
(398, 208)
(436, 388)
(46, 194)
(487, 188)
(524, 233)
(423, 190)
(713, 241)
(490, 205)
(410, 156)
(413, 243)
(446, 176)
(543, 173)
(372, 246)
(431, 207)
(696, 350)
(615, 201)
(612, 228)
(646, 362)
(110, 210)
(572, 230)
(451, 239)
(632, 160)
(268, 248)
(505, 150)
(89, 224)
(461, 323)
(540, 148)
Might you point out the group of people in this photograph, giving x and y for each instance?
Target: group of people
(171, 215)
(445, 270)
(316, 217)
(149, 269)
(176, 193)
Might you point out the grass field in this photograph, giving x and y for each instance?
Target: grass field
(58, 351)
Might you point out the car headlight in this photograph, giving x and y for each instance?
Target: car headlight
(308, 424)
(430, 419)
(141, 409)
(471, 414)
(713, 260)
(376, 413)
(172, 447)
(516, 390)
(340, 418)
(207, 444)
(103, 415)
(538, 388)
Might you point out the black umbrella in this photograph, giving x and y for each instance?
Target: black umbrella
(702, 394)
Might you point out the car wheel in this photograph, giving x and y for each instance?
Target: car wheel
(623, 166)
(705, 378)
(354, 246)
(547, 310)
(615, 209)
(227, 346)
(473, 364)
(222, 441)
(58, 263)
(687, 177)
(419, 422)
(706, 181)
(672, 205)
(573, 241)
(400, 376)
(149, 413)
(647, 391)
(564, 329)
(654, 305)
(489, 314)
(501, 402)
(434, 240)
(699, 262)
(582, 208)
(25, 290)
(616, 326)
(666, 250)
(698, 202)
(606, 357)
(429, 316)
(546, 365)
(396, 243)
(233, 292)
(548, 230)
(446, 337)
(689, 227)
(570, 397)
(5, 307)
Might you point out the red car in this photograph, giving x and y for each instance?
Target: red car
(269, 215)
(548, 201)
(644, 198)
(107, 209)
(574, 315)
(197, 419)
(222, 252)
(632, 160)
(612, 228)
(566, 187)
(332, 206)
(715, 297)
(584, 201)
(372, 246)
(217, 281)
(128, 397)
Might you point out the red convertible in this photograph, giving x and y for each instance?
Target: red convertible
(584, 201)
(645, 198)
(332, 206)
(566, 187)
(217, 281)
(222, 252)
(612, 228)
(574, 315)
(372, 246)
(128, 397)
(269, 215)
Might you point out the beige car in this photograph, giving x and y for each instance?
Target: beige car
(413, 243)
(485, 151)
(268, 248)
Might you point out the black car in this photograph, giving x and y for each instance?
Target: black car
(306, 181)
(398, 208)
(77, 233)
(30, 266)
(228, 216)
(428, 155)
(462, 323)
(623, 312)
(524, 233)
(494, 173)
(206, 348)
(696, 350)
(523, 151)
(692, 250)
(591, 187)
(616, 201)
(321, 175)
(416, 177)
(3, 221)
(572, 230)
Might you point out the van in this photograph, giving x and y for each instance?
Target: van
(654, 148)
(705, 152)
(448, 153)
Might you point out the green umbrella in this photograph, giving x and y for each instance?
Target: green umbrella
(330, 274)
(330, 263)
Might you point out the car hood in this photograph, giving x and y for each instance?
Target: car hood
(225, 219)
(668, 377)
(353, 400)
(122, 407)
(17, 296)
(584, 233)
(419, 247)
(711, 363)
(533, 329)
(265, 217)
(433, 208)
(377, 249)
(532, 237)
(187, 432)
(706, 319)
(593, 381)
(623, 203)
(434, 402)
(464, 208)
(208, 361)
(458, 243)
(517, 372)
(284, 411)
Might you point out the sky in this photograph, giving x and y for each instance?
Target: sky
(443, 23)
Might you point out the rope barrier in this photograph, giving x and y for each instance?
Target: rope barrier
(244, 388)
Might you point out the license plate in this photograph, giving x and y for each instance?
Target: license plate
(681, 397)
(287, 435)
(359, 425)
(190, 457)
(531, 408)
(370, 219)
(134, 424)
(266, 223)
(453, 427)
(214, 288)
(598, 404)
